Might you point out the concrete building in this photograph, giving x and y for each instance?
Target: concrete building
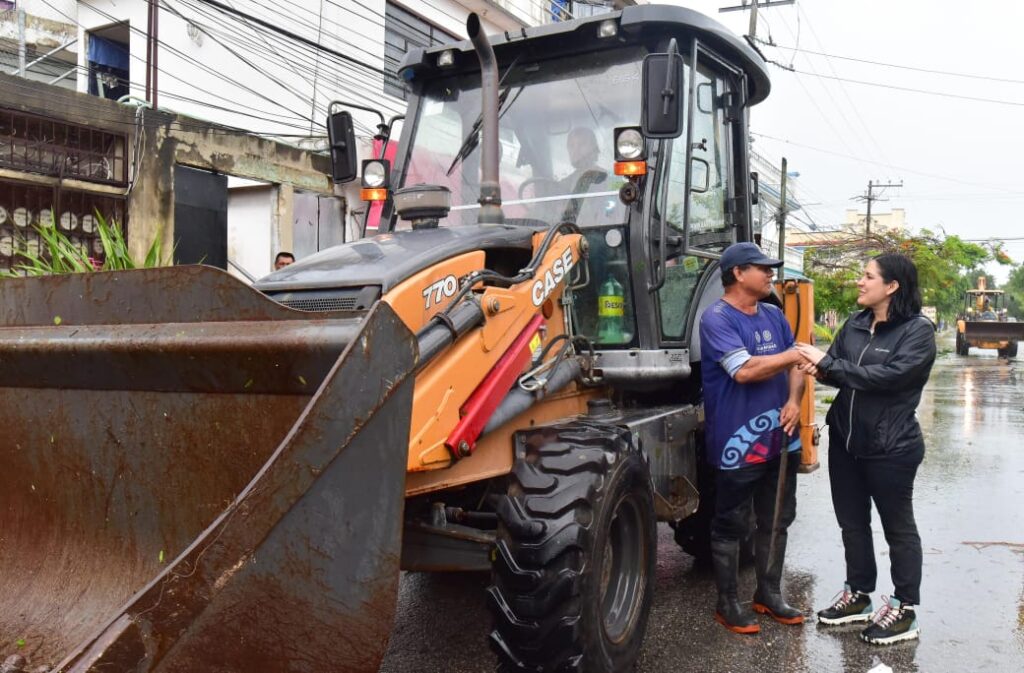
(893, 221)
(241, 92)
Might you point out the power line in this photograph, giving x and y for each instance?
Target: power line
(293, 36)
(870, 198)
(184, 57)
(842, 87)
(877, 163)
(295, 50)
(944, 94)
(988, 78)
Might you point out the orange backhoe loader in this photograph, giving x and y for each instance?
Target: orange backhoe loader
(203, 476)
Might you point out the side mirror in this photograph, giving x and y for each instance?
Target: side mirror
(662, 81)
(342, 138)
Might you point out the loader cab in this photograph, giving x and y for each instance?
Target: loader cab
(565, 91)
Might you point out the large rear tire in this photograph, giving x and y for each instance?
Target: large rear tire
(573, 574)
(1009, 352)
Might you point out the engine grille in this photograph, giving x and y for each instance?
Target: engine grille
(335, 299)
(322, 303)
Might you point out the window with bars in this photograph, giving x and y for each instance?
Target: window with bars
(59, 149)
(404, 31)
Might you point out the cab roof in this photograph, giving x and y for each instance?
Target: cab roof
(637, 24)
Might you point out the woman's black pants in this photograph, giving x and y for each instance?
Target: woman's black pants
(889, 482)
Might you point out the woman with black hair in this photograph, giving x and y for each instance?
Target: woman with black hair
(879, 361)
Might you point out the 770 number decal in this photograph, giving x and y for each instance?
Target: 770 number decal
(435, 293)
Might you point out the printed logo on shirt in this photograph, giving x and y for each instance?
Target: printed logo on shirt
(765, 342)
(756, 441)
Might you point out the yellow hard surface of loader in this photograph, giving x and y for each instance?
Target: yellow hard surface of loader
(204, 476)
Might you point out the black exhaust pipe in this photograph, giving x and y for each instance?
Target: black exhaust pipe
(490, 189)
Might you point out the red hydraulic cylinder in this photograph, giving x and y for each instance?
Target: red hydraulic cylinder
(488, 395)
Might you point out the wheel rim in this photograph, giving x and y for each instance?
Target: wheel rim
(623, 571)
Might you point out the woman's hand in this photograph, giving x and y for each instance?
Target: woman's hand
(810, 353)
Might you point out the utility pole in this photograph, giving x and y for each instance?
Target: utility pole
(753, 7)
(21, 41)
(152, 52)
(782, 221)
(871, 198)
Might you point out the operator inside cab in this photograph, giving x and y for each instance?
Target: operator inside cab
(587, 174)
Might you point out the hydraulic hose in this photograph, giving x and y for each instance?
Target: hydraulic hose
(519, 400)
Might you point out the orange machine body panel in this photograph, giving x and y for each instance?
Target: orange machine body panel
(798, 304)
(444, 385)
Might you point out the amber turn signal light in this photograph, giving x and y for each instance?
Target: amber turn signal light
(630, 168)
(373, 194)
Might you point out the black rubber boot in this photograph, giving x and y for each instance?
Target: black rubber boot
(768, 598)
(725, 559)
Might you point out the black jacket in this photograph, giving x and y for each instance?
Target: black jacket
(880, 377)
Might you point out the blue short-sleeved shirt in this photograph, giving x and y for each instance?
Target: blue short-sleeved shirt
(742, 419)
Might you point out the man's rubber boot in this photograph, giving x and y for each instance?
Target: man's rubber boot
(725, 559)
(768, 598)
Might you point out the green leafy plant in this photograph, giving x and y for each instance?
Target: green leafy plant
(824, 333)
(58, 254)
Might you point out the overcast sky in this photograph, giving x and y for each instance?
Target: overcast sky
(959, 160)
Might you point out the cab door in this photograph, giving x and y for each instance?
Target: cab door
(700, 207)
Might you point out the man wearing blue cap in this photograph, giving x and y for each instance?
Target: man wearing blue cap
(752, 393)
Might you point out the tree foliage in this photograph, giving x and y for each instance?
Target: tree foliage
(945, 265)
(1014, 288)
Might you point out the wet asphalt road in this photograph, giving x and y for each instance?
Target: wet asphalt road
(969, 503)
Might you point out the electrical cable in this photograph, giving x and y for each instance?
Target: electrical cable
(839, 108)
(181, 55)
(305, 55)
(842, 87)
(978, 99)
(948, 73)
(869, 161)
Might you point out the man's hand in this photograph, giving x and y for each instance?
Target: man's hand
(807, 368)
(790, 417)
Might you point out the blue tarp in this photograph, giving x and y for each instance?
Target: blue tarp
(107, 52)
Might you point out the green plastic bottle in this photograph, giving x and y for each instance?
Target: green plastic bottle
(611, 304)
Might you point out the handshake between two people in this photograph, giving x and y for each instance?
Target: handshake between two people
(810, 356)
(807, 363)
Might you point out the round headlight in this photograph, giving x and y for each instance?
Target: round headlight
(629, 144)
(374, 174)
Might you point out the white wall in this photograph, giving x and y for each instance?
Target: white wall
(250, 239)
(54, 10)
(285, 84)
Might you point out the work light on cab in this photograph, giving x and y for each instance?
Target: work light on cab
(376, 175)
(630, 151)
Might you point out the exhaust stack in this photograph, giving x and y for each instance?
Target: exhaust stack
(490, 189)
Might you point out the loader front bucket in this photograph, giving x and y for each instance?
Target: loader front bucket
(992, 330)
(195, 478)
